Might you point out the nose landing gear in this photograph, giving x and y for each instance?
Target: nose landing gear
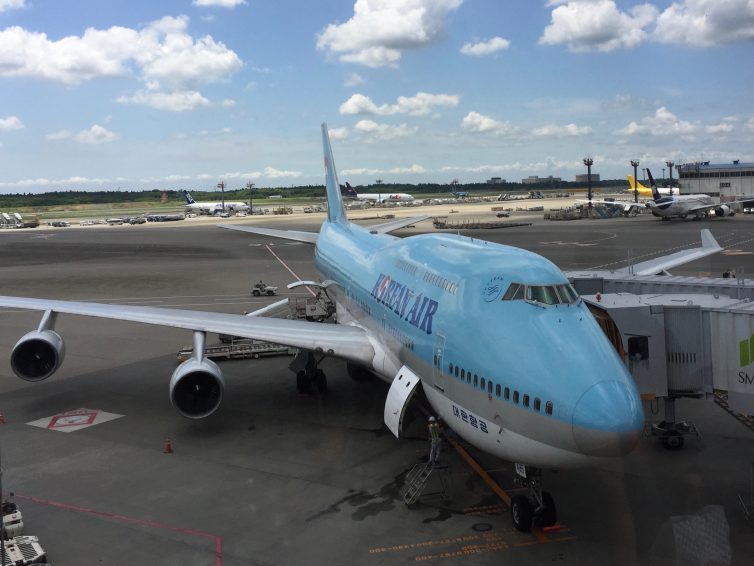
(535, 508)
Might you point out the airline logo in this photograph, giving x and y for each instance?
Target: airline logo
(417, 310)
(746, 351)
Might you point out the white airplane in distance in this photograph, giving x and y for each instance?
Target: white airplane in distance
(214, 207)
(506, 352)
(378, 197)
(683, 206)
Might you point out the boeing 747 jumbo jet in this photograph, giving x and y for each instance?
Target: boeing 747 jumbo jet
(505, 350)
(378, 197)
(213, 207)
(682, 206)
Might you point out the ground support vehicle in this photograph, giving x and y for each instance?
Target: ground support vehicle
(13, 523)
(23, 550)
(261, 288)
(238, 348)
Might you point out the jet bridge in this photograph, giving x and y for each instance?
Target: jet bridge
(682, 345)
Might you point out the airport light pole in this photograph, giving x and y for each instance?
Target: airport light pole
(588, 161)
(221, 186)
(635, 163)
(645, 174)
(670, 170)
(379, 191)
(250, 186)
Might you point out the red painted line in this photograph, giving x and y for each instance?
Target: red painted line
(153, 524)
(269, 249)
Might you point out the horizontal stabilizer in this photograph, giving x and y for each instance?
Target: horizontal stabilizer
(387, 227)
(294, 235)
(660, 265)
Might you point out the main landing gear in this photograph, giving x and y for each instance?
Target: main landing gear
(537, 507)
(311, 377)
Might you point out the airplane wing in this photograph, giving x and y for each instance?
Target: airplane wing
(708, 207)
(343, 341)
(387, 227)
(295, 235)
(621, 203)
(661, 265)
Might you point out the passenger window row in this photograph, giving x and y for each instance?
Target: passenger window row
(505, 393)
(404, 265)
(441, 282)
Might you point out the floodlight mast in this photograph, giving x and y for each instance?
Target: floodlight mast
(588, 161)
(635, 163)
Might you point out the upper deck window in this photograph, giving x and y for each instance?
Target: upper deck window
(544, 294)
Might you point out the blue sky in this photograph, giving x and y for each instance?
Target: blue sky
(182, 94)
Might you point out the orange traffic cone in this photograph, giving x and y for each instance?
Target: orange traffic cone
(168, 447)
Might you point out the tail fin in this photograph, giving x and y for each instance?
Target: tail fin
(335, 210)
(188, 198)
(350, 191)
(634, 184)
(655, 192)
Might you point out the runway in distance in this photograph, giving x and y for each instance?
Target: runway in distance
(213, 207)
(683, 206)
(378, 197)
(504, 349)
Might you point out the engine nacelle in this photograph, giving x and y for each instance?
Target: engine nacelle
(37, 355)
(196, 388)
(724, 210)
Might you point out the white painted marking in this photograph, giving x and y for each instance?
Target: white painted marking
(71, 421)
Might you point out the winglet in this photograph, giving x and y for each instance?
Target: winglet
(335, 210)
(708, 241)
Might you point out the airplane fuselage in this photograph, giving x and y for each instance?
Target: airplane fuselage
(528, 381)
(386, 197)
(678, 206)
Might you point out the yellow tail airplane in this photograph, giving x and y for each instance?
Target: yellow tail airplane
(646, 191)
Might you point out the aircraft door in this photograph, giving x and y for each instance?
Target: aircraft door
(437, 361)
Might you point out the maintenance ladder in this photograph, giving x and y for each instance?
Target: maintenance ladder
(417, 480)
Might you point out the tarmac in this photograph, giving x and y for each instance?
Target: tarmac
(278, 478)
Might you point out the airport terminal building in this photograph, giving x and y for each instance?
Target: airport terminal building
(729, 181)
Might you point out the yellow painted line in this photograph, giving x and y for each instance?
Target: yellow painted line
(491, 483)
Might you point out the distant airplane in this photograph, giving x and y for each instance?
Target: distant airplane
(682, 206)
(647, 191)
(460, 194)
(378, 197)
(506, 352)
(214, 207)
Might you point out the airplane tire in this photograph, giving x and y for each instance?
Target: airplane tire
(321, 381)
(521, 513)
(548, 515)
(302, 382)
(270, 293)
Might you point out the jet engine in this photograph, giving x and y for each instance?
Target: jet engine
(37, 355)
(724, 210)
(196, 388)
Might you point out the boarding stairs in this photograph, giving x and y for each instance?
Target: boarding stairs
(417, 481)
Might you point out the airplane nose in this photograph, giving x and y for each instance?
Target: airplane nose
(607, 420)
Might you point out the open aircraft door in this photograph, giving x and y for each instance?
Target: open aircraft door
(398, 397)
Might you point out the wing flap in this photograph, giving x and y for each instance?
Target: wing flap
(348, 342)
(387, 227)
(294, 235)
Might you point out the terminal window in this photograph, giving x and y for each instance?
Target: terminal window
(638, 348)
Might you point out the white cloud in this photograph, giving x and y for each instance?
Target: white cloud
(10, 123)
(597, 25)
(59, 135)
(95, 135)
(338, 133)
(11, 5)
(361, 171)
(377, 131)
(272, 173)
(380, 30)
(218, 3)
(555, 130)
(663, 123)
(353, 79)
(161, 52)
(413, 170)
(723, 127)
(172, 102)
(704, 23)
(228, 103)
(474, 122)
(749, 124)
(485, 47)
(419, 105)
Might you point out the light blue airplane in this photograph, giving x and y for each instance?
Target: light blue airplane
(504, 349)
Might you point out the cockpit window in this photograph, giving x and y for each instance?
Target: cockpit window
(544, 294)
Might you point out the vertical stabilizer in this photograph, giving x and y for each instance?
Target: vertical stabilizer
(655, 192)
(188, 198)
(335, 210)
